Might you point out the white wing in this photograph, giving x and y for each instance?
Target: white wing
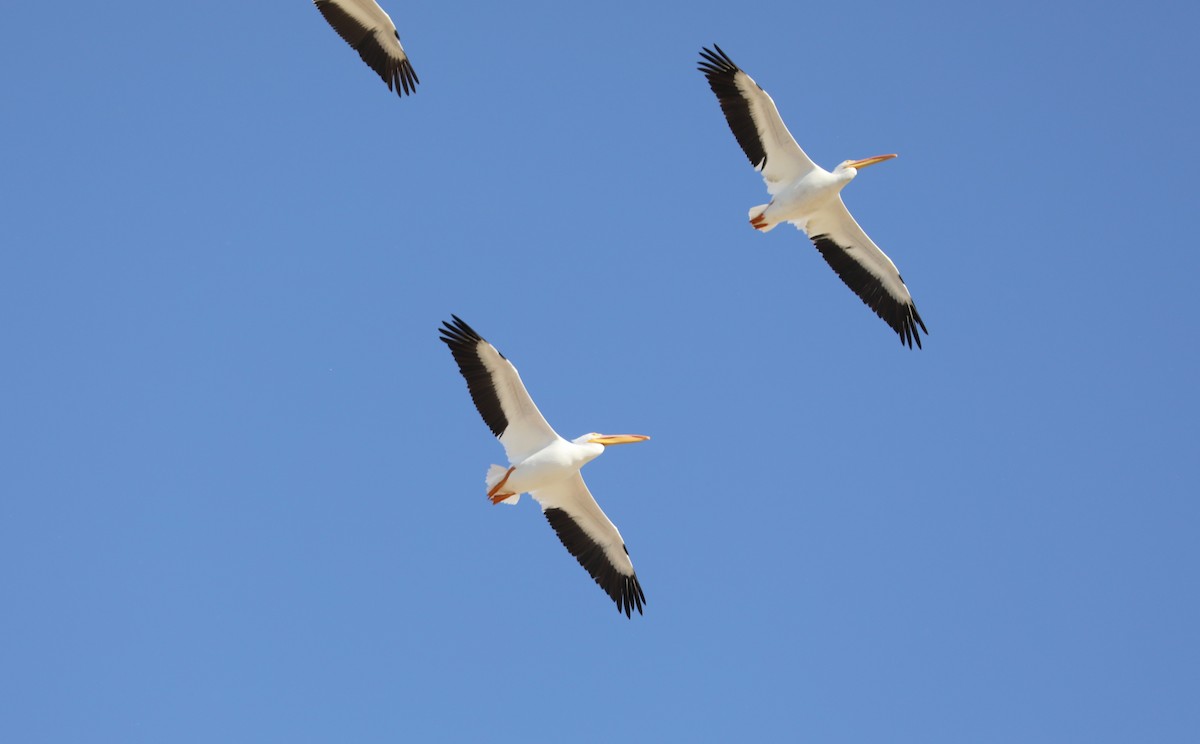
(370, 31)
(588, 534)
(864, 268)
(498, 392)
(755, 122)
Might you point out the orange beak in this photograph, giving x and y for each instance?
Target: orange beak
(870, 161)
(607, 439)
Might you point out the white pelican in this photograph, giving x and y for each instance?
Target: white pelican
(545, 465)
(809, 196)
(364, 26)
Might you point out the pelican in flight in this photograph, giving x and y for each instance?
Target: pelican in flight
(370, 31)
(544, 465)
(809, 196)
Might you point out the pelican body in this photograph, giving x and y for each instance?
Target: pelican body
(815, 192)
(554, 463)
(551, 464)
(544, 465)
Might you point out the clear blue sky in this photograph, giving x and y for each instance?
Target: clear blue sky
(242, 487)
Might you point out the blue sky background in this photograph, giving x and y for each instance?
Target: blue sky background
(242, 482)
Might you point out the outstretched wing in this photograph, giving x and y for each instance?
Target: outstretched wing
(755, 121)
(370, 31)
(865, 269)
(499, 395)
(589, 535)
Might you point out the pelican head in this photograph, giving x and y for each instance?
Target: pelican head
(609, 439)
(855, 165)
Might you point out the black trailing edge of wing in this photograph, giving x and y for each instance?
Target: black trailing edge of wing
(901, 316)
(722, 78)
(624, 590)
(464, 345)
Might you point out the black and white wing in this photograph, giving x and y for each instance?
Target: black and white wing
(498, 392)
(589, 535)
(370, 31)
(755, 122)
(865, 269)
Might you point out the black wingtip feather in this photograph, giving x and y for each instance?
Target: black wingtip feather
(626, 591)
(901, 316)
(464, 343)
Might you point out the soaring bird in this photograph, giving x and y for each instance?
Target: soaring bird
(809, 196)
(370, 31)
(544, 465)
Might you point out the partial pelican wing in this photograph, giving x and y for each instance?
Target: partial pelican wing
(755, 122)
(864, 268)
(370, 31)
(498, 393)
(588, 535)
